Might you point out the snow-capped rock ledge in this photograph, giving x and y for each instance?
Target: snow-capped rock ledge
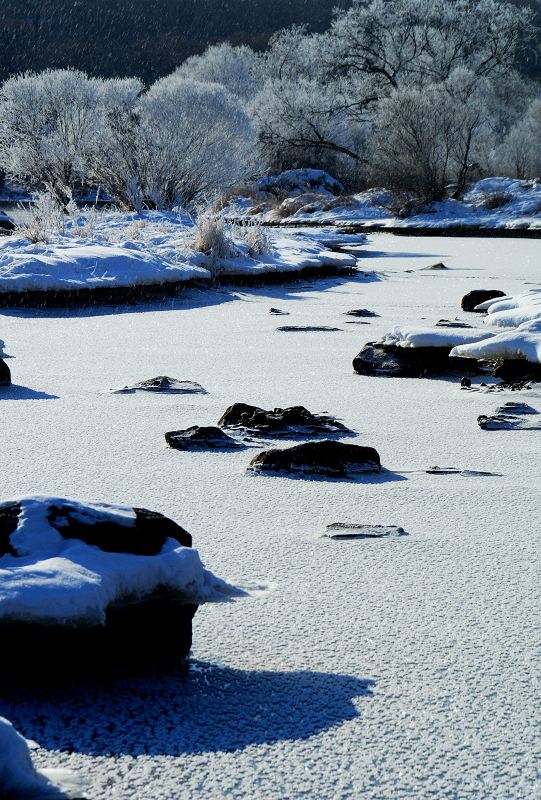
(97, 586)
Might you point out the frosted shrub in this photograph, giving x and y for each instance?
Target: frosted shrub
(256, 236)
(213, 239)
(48, 127)
(44, 217)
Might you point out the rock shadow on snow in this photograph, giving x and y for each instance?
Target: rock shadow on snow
(204, 709)
(16, 392)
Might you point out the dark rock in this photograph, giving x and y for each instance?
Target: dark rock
(306, 328)
(280, 421)
(517, 370)
(357, 322)
(439, 266)
(477, 296)
(345, 531)
(5, 374)
(9, 519)
(361, 312)
(516, 408)
(155, 629)
(145, 538)
(448, 323)
(155, 632)
(278, 312)
(506, 422)
(465, 383)
(200, 438)
(328, 458)
(410, 362)
(162, 383)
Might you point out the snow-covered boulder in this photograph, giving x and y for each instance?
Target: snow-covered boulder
(20, 780)
(327, 458)
(5, 374)
(510, 312)
(417, 352)
(472, 300)
(523, 342)
(97, 583)
(432, 337)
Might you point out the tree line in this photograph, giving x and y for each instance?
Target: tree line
(420, 96)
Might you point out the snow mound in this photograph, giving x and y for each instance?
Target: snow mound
(48, 577)
(19, 779)
(69, 265)
(510, 312)
(433, 337)
(289, 254)
(524, 342)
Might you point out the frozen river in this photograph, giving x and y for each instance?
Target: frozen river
(390, 669)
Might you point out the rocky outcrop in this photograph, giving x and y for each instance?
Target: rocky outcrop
(361, 312)
(346, 531)
(87, 588)
(278, 422)
(327, 458)
(201, 438)
(410, 362)
(164, 384)
(477, 296)
(307, 328)
(511, 371)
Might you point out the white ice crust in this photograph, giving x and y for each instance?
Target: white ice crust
(68, 582)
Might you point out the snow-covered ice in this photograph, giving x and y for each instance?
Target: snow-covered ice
(402, 669)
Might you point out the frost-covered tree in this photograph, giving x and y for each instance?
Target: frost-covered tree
(48, 127)
(180, 139)
(234, 68)
(407, 42)
(302, 111)
(425, 138)
(321, 92)
(115, 159)
(519, 153)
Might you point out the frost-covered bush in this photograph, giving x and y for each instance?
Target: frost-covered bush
(48, 128)
(43, 216)
(254, 234)
(234, 68)
(179, 140)
(213, 238)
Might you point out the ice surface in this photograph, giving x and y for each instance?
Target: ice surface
(443, 624)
